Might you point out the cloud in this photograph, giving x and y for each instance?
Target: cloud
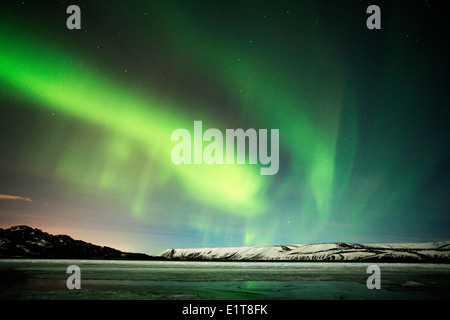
(8, 197)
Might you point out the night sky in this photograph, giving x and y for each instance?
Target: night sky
(363, 116)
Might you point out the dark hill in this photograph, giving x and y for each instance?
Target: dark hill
(27, 242)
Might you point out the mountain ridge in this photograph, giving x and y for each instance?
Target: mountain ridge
(438, 252)
(26, 242)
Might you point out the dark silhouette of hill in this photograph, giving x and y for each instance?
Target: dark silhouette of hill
(26, 242)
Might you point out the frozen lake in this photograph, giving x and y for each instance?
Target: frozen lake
(46, 279)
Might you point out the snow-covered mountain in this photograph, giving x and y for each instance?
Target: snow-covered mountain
(406, 252)
(26, 242)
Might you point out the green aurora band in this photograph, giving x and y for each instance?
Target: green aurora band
(317, 113)
(61, 83)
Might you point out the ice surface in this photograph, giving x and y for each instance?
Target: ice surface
(115, 279)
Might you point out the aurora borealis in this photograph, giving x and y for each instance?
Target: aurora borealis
(363, 120)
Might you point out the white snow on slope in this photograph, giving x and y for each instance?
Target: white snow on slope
(435, 251)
